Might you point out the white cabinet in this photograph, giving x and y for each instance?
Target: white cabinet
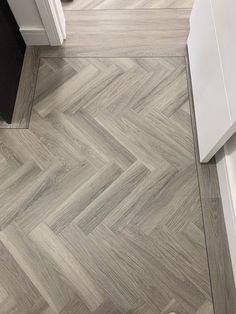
(212, 56)
(224, 13)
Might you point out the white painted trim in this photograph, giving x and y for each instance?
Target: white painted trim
(60, 16)
(53, 19)
(34, 36)
(227, 190)
(226, 136)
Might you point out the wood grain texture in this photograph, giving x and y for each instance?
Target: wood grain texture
(220, 266)
(100, 200)
(125, 4)
(26, 89)
(100, 204)
(114, 33)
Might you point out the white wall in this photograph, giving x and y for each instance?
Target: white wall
(28, 18)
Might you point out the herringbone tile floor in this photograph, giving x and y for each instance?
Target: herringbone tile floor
(100, 210)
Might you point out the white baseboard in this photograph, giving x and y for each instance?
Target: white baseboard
(34, 36)
(228, 192)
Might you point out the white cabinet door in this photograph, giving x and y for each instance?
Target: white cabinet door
(212, 109)
(224, 13)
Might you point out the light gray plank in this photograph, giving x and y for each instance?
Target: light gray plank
(125, 4)
(50, 245)
(42, 274)
(94, 214)
(82, 197)
(113, 33)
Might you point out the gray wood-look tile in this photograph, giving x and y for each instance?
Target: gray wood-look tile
(100, 205)
(114, 33)
(125, 4)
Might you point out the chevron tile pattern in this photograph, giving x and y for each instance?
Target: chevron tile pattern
(100, 206)
(100, 209)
